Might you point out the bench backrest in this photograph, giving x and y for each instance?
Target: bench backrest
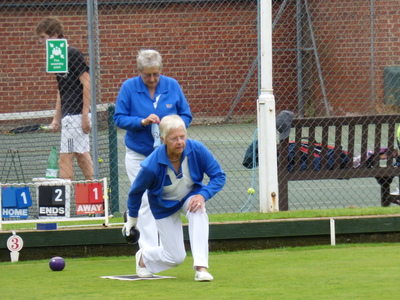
(356, 135)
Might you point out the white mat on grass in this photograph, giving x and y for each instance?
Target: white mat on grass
(135, 277)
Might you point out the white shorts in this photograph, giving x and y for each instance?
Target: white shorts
(73, 140)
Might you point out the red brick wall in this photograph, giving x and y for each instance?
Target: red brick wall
(25, 86)
(349, 63)
(209, 51)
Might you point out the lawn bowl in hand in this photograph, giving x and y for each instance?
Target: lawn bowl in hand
(134, 234)
(133, 237)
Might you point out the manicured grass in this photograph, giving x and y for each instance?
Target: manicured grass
(342, 212)
(362, 271)
(237, 217)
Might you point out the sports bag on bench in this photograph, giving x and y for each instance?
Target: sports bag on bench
(251, 156)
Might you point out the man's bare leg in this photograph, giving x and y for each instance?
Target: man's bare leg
(66, 166)
(85, 163)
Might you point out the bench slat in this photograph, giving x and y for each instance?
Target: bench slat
(376, 131)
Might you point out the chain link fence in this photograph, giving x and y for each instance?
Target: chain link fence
(330, 58)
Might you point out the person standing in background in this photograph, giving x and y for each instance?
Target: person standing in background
(72, 105)
(141, 103)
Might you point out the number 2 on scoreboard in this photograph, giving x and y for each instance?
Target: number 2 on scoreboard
(58, 196)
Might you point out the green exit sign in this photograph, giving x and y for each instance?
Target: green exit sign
(56, 56)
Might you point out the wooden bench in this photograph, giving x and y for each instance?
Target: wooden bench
(356, 135)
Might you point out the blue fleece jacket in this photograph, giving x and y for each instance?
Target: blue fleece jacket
(153, 177)
(134, 104)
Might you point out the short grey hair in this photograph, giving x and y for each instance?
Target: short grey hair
(148, 58)
(169, 123)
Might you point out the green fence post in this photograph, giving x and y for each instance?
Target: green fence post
(113, 152)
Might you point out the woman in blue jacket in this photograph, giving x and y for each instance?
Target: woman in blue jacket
(173, 176)
(141, 104)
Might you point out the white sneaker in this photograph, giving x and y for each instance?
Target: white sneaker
(203, 276)
(141, 272)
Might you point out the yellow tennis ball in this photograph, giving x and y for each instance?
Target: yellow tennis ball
(100, 160)
(250, 191)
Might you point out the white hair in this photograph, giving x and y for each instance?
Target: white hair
(148, 58)
(169, 123)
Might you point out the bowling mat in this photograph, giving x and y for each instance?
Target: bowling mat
(135, 277)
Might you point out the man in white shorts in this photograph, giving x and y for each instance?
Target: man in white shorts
(72, 106)
(74, 143)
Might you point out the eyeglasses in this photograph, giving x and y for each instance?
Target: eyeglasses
(177, 139)
(155, 75)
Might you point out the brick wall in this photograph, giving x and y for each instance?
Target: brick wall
(209, 53)
(195, 54)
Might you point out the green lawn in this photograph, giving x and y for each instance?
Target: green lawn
(362, 271)
(239, 217)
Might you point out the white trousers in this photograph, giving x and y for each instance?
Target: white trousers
(146, 223)
(172, 252)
